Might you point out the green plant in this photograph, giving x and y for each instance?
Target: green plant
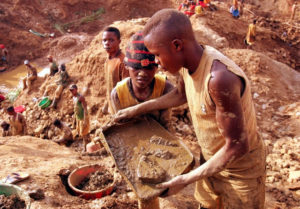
(13, 95)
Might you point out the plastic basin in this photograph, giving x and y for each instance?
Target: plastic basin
(45, 103)
(10, 189)
(81, 173)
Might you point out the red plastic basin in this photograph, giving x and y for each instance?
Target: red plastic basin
(81, 173)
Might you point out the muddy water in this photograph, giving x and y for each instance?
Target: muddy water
(11, 79)
(129, 143)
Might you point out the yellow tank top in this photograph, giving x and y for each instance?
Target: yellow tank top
(127, 100)
(203, 113)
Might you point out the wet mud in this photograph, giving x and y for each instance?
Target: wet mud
(11, 202)
(146, 154)
(96, 181)
(149, 171)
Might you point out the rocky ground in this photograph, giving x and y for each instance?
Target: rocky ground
(272, 65)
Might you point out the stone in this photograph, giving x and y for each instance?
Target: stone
(255, 95)
(37, 194)
(294, 176)
(39, 130)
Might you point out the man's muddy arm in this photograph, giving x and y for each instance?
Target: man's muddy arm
(115, 101)
(172, 99)
(225, 90)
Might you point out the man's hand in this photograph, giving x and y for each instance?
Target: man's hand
(176, 184)
(127, 113)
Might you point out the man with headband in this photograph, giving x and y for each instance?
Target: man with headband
(143, 84)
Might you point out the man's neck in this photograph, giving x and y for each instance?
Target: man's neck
(142, 94)
(115, 54)
(194, 58)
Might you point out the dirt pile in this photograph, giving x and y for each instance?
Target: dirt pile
(83, 19)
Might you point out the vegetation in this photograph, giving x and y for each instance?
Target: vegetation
(63, 27)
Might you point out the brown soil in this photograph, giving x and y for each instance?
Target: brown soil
(271, 64)
(11, 202)
(96, 181)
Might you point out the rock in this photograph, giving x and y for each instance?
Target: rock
(294, 176)
(38, 130)
(255, 95)
(50, 134)
(37, 194)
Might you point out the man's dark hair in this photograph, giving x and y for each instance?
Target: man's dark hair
(10, 109)
(254, 22)
(114, 30)
(57, 123)
(63, 67)
(171, 24)
(73, 86)
(5, 126)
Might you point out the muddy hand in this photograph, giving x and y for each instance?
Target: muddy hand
(174, 185)
(127, 113)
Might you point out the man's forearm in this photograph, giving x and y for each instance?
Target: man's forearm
(172, 99)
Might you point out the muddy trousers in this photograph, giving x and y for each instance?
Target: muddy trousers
(57, 93)
(27, 82)
(149, 204)
(215, 193)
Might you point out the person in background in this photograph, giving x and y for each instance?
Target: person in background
(5, 129)
(31, 76)
(60, 84)
(114, 68)
(81, 116)
(251, 33)
(4, 55)
(17, 122)
(66, 130)
(53, 65)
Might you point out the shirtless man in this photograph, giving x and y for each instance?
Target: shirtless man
(66, 130)
(17, 122)
(81, 116)
(31, 76)
(232, 166)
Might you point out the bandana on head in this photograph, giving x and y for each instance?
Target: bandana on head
(2, 46)
(137, 55)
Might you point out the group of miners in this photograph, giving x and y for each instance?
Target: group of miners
(232, 165)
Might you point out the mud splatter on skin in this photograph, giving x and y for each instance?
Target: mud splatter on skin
(229, 114)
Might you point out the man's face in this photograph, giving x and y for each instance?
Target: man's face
(165, 56)
(110, 42)
(10, 113)
(73, 92)
(141, 78)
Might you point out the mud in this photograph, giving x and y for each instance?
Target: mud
(148, 171)
(161, 141)
(142, 144)
(96, 181)
(11, 202)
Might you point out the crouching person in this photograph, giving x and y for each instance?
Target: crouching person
(66, 130)
(143, 84)
(17, 122)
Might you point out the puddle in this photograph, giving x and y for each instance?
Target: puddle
(12, 79)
